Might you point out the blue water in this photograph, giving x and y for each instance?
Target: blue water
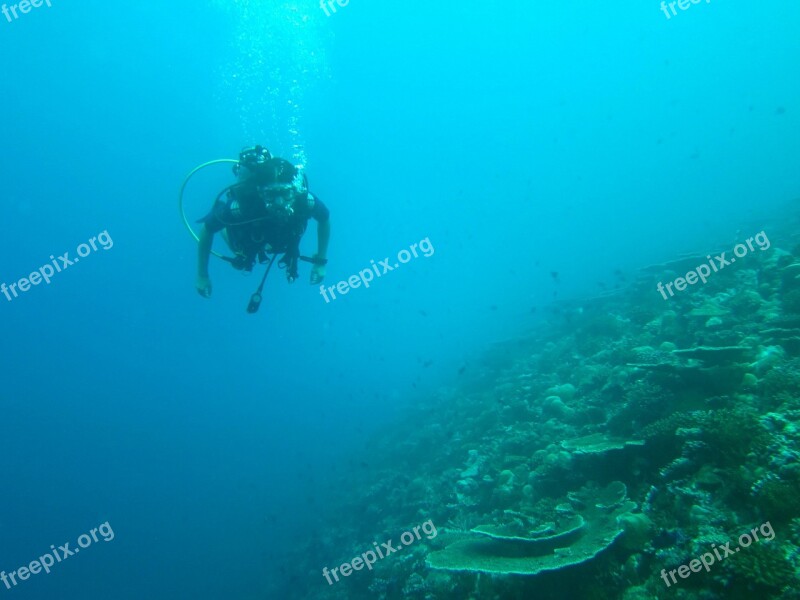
(521, 140)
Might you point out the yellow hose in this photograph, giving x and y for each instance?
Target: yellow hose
(183, 187)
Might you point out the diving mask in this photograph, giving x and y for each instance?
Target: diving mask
(278, 198)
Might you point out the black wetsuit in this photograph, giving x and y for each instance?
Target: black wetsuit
(252, 229)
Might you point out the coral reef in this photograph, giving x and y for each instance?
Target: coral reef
(533, 472)
(525, 546)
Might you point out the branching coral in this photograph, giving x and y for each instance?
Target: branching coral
(764, 568)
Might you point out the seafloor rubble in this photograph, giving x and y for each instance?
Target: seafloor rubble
(627, 435)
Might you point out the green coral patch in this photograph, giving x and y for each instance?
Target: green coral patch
(597, 443)
(545, 537)
(579, 542)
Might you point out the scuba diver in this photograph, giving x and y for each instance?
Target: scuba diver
(265, 212)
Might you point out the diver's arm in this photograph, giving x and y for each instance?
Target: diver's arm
(323, 237)
(204, 242)
(322, 216)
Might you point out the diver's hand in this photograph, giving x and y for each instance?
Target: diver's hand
(317, 274)
(203, 286)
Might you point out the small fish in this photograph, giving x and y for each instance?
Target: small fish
(554, 275)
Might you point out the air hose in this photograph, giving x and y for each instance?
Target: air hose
(183, 188)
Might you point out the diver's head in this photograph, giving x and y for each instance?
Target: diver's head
(252, 164)
(283, 188)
